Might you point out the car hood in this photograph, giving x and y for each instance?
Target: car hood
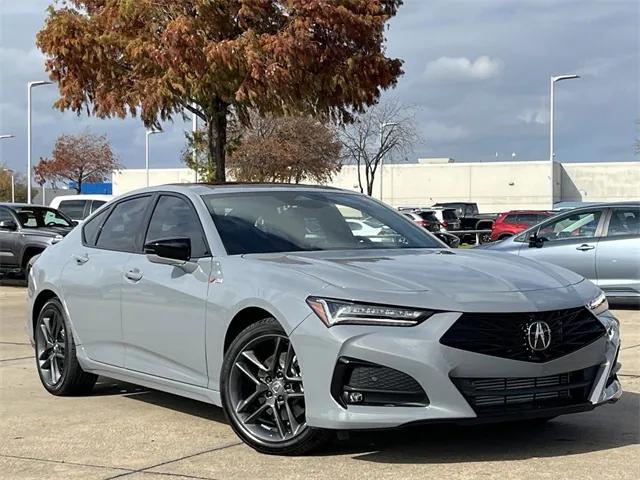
(414, 270)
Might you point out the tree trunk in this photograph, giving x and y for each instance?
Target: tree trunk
(217, 139)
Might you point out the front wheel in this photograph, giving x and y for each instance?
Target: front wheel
(263, 393)
(56, 359)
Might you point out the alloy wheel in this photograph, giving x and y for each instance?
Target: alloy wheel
(51, 347)
(266, 391)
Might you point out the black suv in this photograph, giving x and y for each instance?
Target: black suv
(25, 231)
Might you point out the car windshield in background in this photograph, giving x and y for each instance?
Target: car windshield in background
(39, 217)
(291, 221)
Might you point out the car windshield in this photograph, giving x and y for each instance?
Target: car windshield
(293, 221)
(39, 217)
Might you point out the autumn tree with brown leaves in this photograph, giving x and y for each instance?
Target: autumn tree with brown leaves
(78, 158)
(286, 149)
(218, 58)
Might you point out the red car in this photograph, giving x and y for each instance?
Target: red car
(515, 221)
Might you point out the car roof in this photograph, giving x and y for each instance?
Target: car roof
(213, 188)
(23, 205)
(509, 212)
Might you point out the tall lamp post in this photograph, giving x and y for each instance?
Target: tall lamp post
(553, 82)
(30, 85)
(11, 172)
(382, 127)
(194, 129)
(146, 151)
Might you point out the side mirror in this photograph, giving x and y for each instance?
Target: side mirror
(171, 251)
(536, 242)
(8, 225)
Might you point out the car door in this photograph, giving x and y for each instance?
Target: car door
(570, 241)
(8, 254)
(93, 279)
(164, 306)
(618, 252)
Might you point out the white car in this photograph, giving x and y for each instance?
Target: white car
(79, 207)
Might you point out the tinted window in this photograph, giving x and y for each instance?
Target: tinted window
(624, 221)
(449, 214)
(288, 221)
(122, 229)
(576, 225)
(38, 217)
(73, 208)
(529, 218)
(91, 228)
(96, 204)
(510, 219)
(429, 217)
(5, 215)
(174, 217)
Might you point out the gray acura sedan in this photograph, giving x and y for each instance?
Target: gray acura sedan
(261, 299)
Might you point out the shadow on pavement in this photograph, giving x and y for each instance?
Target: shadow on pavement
(107, 386)
(607, 427)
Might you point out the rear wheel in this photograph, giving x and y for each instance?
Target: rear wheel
(58, 367)
(263, 393)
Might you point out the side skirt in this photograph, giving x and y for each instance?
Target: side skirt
(194, 392)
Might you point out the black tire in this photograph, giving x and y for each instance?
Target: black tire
(307, 440)
(502, 237)
(67, 378)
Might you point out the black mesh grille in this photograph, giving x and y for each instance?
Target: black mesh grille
(365, 383)
(505, 335)
(499, 396)
(381, 379)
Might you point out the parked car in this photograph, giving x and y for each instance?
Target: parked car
(471, 219)
(515, 221)
(599, 242)
(446, 217)
(79, 207)
(25, 231)
(426, 219)
(221, 293)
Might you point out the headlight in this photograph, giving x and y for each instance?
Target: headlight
(335, 312)
(599, 304)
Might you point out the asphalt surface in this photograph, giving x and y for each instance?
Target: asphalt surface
(125, 431)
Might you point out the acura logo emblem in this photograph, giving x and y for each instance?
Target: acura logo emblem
(539, 336)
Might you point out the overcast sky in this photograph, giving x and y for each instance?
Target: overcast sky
(476, 70)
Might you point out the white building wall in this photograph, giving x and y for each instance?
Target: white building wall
(495, 186)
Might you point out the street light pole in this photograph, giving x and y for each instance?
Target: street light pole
(553, 81)
(30, 85)
(382, 127)
(194, 129)
(146, 151)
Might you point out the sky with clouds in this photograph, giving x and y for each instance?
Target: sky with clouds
(477, 72)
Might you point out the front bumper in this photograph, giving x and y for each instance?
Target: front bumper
(417, 352)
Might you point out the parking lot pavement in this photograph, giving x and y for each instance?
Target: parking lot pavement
(124, 431)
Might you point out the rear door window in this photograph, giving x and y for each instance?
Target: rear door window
(123, 229)
(73, 209)
(624, 221)
(91, 228)
(96, 204)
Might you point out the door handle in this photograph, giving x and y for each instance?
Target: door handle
(584, 247)
(81, 259)
(135, 275)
